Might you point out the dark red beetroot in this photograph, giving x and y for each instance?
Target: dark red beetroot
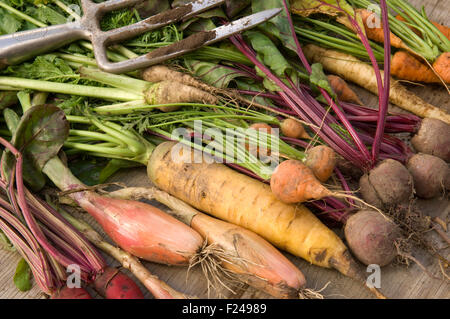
(387, 185)
(113, 284)
(430, 173)
(371, 237)
(433, 138)
(71, 293)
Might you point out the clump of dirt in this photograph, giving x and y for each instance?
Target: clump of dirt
(414, 226)
(170, 15)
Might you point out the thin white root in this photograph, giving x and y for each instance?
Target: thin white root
(307, 293)
(210, 259)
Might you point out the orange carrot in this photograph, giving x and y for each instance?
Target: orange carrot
(444, 29)
(292, 128)
(442, 66)
(262, 127)
(407, 67)
(321, 160)
(259, 127)
(375, 34)
(294, 182)
(342, 90)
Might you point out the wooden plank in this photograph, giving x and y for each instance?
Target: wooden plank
(396, 281)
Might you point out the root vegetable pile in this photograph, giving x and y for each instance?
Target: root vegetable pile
(254, 145)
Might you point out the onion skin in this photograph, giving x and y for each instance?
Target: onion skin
(142, 230)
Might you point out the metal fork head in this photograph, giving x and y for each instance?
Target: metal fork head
(93, 13)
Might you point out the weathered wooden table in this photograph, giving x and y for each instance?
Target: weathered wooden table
(396, 281)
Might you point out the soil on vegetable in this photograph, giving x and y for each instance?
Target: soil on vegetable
(414, 225)
(192, 42)
(170, 15)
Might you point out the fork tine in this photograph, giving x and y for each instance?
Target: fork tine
(158, 21)
(190, 43)
(115, 4)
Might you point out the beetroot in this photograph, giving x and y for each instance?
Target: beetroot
(433, 137)
(371, 237)
(71, 293)
(430, 173)
(387, 185)
(113, 284)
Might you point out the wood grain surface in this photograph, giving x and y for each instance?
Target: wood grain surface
(397, 281)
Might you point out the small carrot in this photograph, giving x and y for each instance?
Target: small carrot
(293, 182)
(373, 33)
(255, 149)
(322, 161)
(342, 90)
(442, 66)
(407, 67)
(292, 128)
(262, 127)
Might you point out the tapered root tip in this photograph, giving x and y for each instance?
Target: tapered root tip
(347, 266)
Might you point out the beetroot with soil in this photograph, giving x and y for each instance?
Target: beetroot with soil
(387, 185)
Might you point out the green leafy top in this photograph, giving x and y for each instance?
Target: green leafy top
(22, 276)
(39, 135)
